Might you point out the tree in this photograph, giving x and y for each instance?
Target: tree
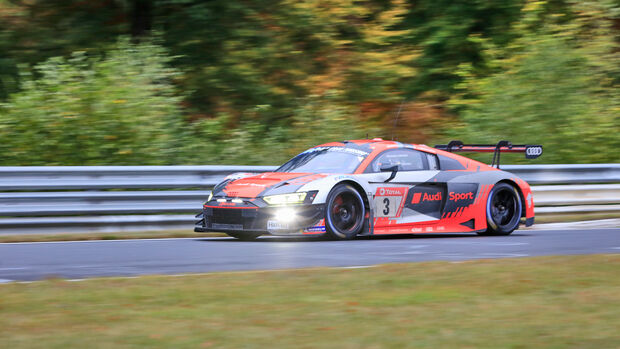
(122, 109)
(556, 85)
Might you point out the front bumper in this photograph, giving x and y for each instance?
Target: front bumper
(253, 218)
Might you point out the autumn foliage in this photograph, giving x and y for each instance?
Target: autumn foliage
(238, 82)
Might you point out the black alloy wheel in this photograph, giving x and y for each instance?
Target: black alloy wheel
(344, 212)
(503, 210)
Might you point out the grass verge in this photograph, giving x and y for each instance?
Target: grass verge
(551, 302)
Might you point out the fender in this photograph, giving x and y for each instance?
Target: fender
(325, 185)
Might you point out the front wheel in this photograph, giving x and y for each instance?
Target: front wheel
(245, 236)
(503, 210)
(344, 212)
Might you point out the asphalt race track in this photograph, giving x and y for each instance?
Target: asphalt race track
(76, 260)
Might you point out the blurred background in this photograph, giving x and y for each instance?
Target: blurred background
(169, 82)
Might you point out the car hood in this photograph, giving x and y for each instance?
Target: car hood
(268, 183)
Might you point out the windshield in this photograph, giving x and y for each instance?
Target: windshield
(325, 160)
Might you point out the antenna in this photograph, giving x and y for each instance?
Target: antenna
(396, 117)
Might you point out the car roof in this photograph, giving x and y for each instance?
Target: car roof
(377, 145)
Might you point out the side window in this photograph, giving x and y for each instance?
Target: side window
(433, 164)
(405, 159)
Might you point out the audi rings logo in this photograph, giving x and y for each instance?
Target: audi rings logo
(381, 191)
(533, 151)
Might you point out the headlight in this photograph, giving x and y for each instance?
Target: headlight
(285, 199)
(285, 214)
(210, 196)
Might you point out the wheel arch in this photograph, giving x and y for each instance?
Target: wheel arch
(361, 190)
(516, 186)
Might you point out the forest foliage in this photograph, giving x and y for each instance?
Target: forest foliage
(149, 82)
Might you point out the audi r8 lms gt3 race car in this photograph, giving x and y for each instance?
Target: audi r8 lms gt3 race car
(366, 187)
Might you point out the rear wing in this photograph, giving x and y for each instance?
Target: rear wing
(531, 151)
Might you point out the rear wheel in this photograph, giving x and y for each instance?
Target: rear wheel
(245, 236)
(503, 210)
(344, 212)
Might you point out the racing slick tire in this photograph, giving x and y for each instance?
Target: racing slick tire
(503, 210)
(245, 236)
(344, 212)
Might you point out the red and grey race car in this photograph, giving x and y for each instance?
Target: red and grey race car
(366, 187)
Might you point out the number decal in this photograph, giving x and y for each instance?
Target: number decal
(388, 200)
(386, 210)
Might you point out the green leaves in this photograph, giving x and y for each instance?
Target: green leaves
(554, 86)
(121, 109)
(255, 82)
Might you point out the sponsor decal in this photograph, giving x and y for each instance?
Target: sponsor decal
(416, 198)
(533, 151)
(391, 191)
(339, 178)
(456, 197)
(416, 230)
(352, 151)
(277, 225)
(388, 201)
(422, 197)
(239, 175)
(315, 229)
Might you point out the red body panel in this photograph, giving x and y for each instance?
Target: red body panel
(250, 187)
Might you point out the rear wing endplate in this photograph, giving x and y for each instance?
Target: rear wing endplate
(531, 151)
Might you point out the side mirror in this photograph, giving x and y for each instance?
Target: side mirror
(393, 169)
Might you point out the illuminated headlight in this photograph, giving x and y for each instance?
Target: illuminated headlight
(210, 196)
(285, 215)
(285, 199)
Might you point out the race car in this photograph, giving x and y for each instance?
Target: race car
(372, 187)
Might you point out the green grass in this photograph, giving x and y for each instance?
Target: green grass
(550, 302)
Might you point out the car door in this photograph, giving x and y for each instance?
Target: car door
(412, 195)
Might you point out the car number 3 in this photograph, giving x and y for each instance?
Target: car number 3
(387, 206)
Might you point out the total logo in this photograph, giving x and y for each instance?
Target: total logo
(388, 191)
(460, 196)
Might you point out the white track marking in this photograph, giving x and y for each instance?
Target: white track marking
(357, 267)
(504, 255)
(506, 243)
(98, 241)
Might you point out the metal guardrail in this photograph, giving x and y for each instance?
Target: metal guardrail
(54, 199)
(116, 177)
(566, 174)
(29, 178)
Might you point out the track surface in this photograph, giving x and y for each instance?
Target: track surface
(75, 260)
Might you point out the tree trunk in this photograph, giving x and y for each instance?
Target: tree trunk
(140, 17)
